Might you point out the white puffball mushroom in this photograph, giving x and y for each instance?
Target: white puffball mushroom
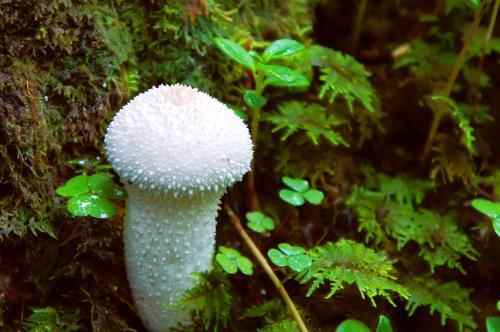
(177, 149)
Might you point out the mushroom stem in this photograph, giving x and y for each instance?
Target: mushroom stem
(166, 239)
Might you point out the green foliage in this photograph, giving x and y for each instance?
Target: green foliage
(350, 263)
(259, 222)
(91, 195)
(235, 52)
(49, 320)
(287, 325)
(287, 255)
(462, 5)
(300, 192)
(490, 209)
(384, 324)
(493, 324)
(232, 261)
(210, 300)
(254, 100)
(342, 75)
(352, 325)
(448, 299)
(281, 48)
(459, 116)
(295, 116)
(389, 209)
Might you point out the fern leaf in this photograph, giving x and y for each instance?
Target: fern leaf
(310, 118)
(448, 299)
(210, 300)
(460, 118)
(343, 76)
(365, 203)
(49, 320)
(440, 240)
(351, 263)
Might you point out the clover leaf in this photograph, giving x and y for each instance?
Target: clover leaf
(259, 222)
(231, 261)
(299, 192)
(287, 255)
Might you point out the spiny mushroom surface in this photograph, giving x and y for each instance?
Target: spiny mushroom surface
(176, 149)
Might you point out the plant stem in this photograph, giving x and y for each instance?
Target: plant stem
(253, 198)
(358, 24)
(265, 265)
(457, 67)
(493, 20)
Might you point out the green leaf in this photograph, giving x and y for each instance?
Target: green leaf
(103, 185)
(312, 119)
(299, 263)
(227, 264)
(493, 324)
(384, 324)
(282, 48)
(235, 52)
(91, 205)
(253, 100)
(245, 265)
(283, 76)
(352, 325)
(294, 257)
(314, 196)
(259, 222)
(490, 209)
(291, 197)
(277, 257)
(296, 184)
(231, 261)
(74, 186)
(291, 250)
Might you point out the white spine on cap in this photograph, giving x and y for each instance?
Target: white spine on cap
(178, 149)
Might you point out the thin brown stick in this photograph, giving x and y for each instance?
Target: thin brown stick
(235, 220)
(358, 24)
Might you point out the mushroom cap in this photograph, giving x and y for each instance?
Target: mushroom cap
(177, 139)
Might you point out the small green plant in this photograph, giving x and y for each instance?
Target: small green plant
(91, 195)
(353, 325)
(232, 261)
(49, 319)
(490, 209)
(493, 324)
(259, 222)
(299, 192)
(350, 263)
(210, 300)
(287, 255)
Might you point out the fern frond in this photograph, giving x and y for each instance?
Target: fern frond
(311, 118)
(460, 117)
(351, 263)
(342, 75)
(365, 204)
(210, 299)
(440, 240)
(449, 299)
(49, 320)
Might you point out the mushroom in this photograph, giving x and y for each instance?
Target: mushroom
(176, 149)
